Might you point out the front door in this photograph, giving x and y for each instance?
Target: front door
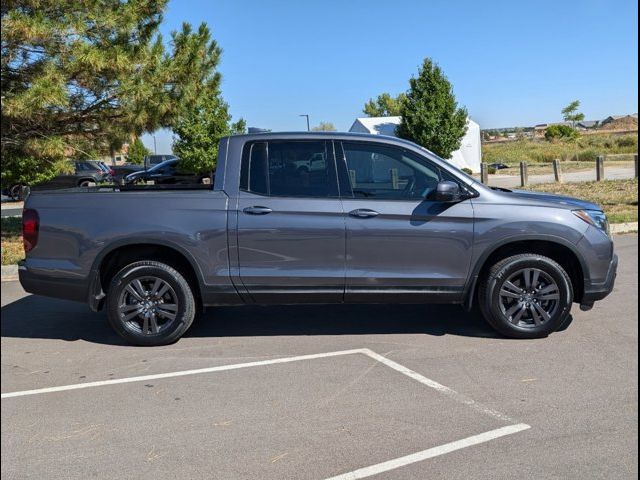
(291, 227)
(401, 244)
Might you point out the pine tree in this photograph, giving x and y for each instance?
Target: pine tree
(430, 114)
(199, 130)
(78, 78)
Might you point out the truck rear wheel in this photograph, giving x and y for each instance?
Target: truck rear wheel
(526, 296)
(150, 303)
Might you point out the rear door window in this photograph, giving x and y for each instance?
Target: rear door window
(289, 169)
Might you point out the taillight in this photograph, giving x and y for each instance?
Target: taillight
(112, 172)
(30, 227)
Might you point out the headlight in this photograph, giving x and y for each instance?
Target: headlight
(594, 217)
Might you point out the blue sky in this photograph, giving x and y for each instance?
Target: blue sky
(511, 63)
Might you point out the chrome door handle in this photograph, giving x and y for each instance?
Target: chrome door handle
(257, 210)
(363, 213)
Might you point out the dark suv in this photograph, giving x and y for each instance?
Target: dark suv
(84, 174)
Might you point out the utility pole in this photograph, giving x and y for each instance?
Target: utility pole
(306, 115)
(155, 150)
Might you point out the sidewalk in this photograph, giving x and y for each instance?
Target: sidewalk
(11, 209)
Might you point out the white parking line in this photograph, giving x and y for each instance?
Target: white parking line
(355, 474)
(458, 397)
(430, 453)
(144, 378)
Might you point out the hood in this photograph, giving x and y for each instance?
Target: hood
(136, 174)
(549, 200)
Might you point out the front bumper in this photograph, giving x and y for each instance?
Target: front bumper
(598, 291)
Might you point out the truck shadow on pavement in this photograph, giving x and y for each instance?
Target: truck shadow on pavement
(44, 318)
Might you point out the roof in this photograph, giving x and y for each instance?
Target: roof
(589, 123)
(379, 125)
(542, 126)
(616, 117)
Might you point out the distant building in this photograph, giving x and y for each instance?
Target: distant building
(468, 156)
(615, 118)
(376, 125)
(587, 124)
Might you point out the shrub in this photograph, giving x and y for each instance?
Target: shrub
(629, 141)
(468, 171)
(559, 131)
(491, 170)
(588, 155)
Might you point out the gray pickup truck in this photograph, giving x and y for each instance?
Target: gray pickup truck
(377, 220)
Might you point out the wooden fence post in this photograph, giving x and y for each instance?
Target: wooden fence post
(635, 164)
(393, 172)
(524, 174)
(600, 168)
(352, 177)
(484, 173)
(557, 171)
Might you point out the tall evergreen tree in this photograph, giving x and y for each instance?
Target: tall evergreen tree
(137, 152)
(199, 130)
(430, 114)
(79, 77)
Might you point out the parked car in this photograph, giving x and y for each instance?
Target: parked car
(85, 173)
(166, 173)
(103, 166)
(385, 221)
(153, 160)
(121, 171)
(499, 166)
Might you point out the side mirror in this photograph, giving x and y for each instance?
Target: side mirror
(447, 191)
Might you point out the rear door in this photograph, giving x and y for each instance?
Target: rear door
(290, 223)
(401, 244)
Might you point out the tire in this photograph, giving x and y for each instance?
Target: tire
(168, 315)
(520, 311)
(86, 183)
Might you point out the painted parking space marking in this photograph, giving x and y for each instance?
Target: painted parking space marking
(183, 373)
(431, 453)
(355, 474)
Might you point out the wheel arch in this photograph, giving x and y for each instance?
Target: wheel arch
(556, 248)
(118, 254)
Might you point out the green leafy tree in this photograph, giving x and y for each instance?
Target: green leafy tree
(324, 127)
(571, 114)
(384, 105)
(430, 114)
(80, 77)
(199, 131)
(137, 152)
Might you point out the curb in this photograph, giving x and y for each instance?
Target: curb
(624, 227)
(9, 273)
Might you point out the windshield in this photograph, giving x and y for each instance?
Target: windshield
(160, 166)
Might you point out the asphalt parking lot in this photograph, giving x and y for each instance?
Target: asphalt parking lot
(317, 392)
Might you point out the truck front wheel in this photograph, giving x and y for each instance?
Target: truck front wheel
(526, 296)
(150, 303)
